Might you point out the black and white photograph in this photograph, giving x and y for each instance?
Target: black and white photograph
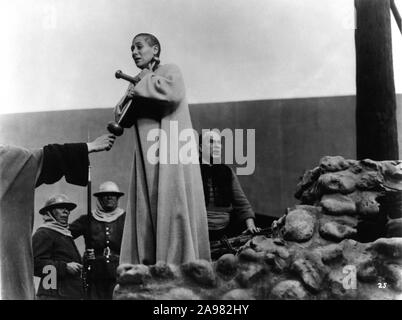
(216, 151)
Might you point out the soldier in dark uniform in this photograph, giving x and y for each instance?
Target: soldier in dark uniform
(55, 252)
(105, 227)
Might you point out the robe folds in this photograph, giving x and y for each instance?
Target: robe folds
(21, 170)
(166, 217)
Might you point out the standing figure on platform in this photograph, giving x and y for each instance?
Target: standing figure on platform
(105, 226)
(227, 205)
(166, 216)
(53, 245)
(21, 171)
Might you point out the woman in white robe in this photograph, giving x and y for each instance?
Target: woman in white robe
(166, 216)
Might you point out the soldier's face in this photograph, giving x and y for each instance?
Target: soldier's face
(61, 215)
(108, 202)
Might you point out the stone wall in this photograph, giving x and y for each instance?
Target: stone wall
(343, 241)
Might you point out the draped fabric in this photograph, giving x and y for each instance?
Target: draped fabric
(166, 216)
(20, 171)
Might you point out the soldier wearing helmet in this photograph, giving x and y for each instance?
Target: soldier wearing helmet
(56, 258)
(103, 231)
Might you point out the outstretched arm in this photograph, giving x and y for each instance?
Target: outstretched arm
(102, 143)
(70, 160)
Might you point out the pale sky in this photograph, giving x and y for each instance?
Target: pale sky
(62, 54)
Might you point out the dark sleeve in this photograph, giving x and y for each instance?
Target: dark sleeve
(79, 226)
(69, 160)
(42, 246)
(241, 207)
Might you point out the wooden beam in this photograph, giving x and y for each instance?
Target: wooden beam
(376, 125)
(396, 14)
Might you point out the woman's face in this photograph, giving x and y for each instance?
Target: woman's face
(142, 52)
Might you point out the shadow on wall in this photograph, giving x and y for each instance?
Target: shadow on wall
(291, 136)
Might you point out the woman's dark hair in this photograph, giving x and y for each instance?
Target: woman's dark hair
(151, 40)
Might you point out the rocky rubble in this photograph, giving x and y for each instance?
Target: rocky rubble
(343, 241)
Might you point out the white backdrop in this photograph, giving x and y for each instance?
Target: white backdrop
(63, 54)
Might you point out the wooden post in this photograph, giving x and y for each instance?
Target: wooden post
(376, 124)
(396, 14)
